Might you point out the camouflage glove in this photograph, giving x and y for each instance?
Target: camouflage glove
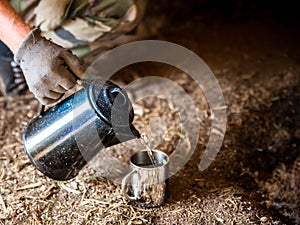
(49, 14)
(49, 69)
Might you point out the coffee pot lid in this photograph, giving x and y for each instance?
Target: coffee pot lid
(110, 102)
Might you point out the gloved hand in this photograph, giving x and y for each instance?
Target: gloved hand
(49, 69)
(50, 13)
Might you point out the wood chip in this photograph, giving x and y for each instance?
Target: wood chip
(30, 186)
(87, 201)
(51, 190)
(70, 190)
(3, 204)
(36, 217)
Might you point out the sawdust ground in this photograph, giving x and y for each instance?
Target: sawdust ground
(255, 177)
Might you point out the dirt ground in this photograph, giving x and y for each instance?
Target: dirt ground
(254, 51)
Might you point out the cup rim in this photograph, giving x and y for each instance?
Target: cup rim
(154, 167)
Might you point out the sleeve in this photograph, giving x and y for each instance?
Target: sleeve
(89, 22)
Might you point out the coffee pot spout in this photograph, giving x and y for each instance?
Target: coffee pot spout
(122, 134)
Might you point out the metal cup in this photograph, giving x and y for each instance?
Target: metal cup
(145, 184)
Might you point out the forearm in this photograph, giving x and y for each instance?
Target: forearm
(13, 29)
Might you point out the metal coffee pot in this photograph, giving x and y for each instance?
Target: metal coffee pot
(63, 139)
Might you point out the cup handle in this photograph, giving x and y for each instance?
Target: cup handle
(124, 185)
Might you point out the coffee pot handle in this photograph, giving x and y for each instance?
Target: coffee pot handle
(125, 181)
